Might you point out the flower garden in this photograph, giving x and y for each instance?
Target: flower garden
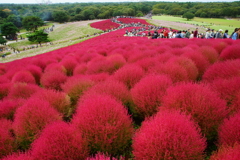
(115, 97)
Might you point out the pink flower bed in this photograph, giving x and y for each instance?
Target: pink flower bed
(99, 91)
(104, 25)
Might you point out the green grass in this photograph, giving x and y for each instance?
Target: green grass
(213, 23)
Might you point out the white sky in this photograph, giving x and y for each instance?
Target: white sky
(73, 1)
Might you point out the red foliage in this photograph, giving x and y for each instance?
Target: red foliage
(31, 118)
(219, 45)
(188, 64)
(104, 25)
(22, 90)
(101, 156)
(36, 72)
(148, 92)
(228, 90)
(105, 123)
(236, 103)
(4, 89)
(80, 69)
(227, 153)
(53, 79)
(200, 61)
(18, 156)
(230, 52)
(59, 141)
(23, 77)
(2, 69)
(76, 86)
(58, 100)
(175, 71)
(69, 64)
(169, 135)
(133, 20)
(55, 67)
(8, 108)
(197, 100)
(209, 53)
(229, 131)
(112, 88)
(129, 74)
(225, 70)
(6, 139)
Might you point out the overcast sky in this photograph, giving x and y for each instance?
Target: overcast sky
(72, 1)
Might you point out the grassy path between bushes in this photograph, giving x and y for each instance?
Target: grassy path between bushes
(63, 35)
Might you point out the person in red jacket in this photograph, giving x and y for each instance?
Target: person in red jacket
(195, 34)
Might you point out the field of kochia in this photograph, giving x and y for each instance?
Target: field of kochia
(115, 97)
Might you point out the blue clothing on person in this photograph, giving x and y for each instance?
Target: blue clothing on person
(234, 36)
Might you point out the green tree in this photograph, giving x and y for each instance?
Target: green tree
(9, 30)
(60, 16)
(2, 40)
(31, 23)
(16, 20)
(38, 36)
(188, 15)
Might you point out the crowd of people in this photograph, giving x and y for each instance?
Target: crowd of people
(155, 32)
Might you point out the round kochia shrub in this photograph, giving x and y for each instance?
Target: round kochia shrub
(113, 88)
(53, 79)
(169, 135)
(227, 153)
(105, 124)
(24, 77)
(197, 100)
(59, 141)
(229, 131)
(129, 74)
(30, 119)
(4, 89)
(225, 70)
(58, 100)
(8, 107)
(230, 52)
(76, 86)
(6, 139)
(148, 92)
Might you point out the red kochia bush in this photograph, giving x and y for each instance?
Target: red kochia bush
(6, 140)
(209, 53)
(55, 67)
(24, 77)
(129, 74)
(105, 124)
(69, 63)
(104, 25)
(229, 131)
(227, 153)
(113, 88)
(53, 79)
(224, 70)
(197, 100)
(228, 89)
(148, 92)
(175, 71)
(18, 156)
(169, 135)
(230, 52)
(36, 72)
(31, 118)
(101, 156)
(59, 141)
(4, 89)
(22, 90)
(188, 64)
(8, 108)
(76, 86)
(58, 100)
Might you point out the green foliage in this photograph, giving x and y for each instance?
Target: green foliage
(2, 40)
(16, 20)
(38, 36)
(9, 30)
(188, 15)
(60, 16)
(31, 23)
